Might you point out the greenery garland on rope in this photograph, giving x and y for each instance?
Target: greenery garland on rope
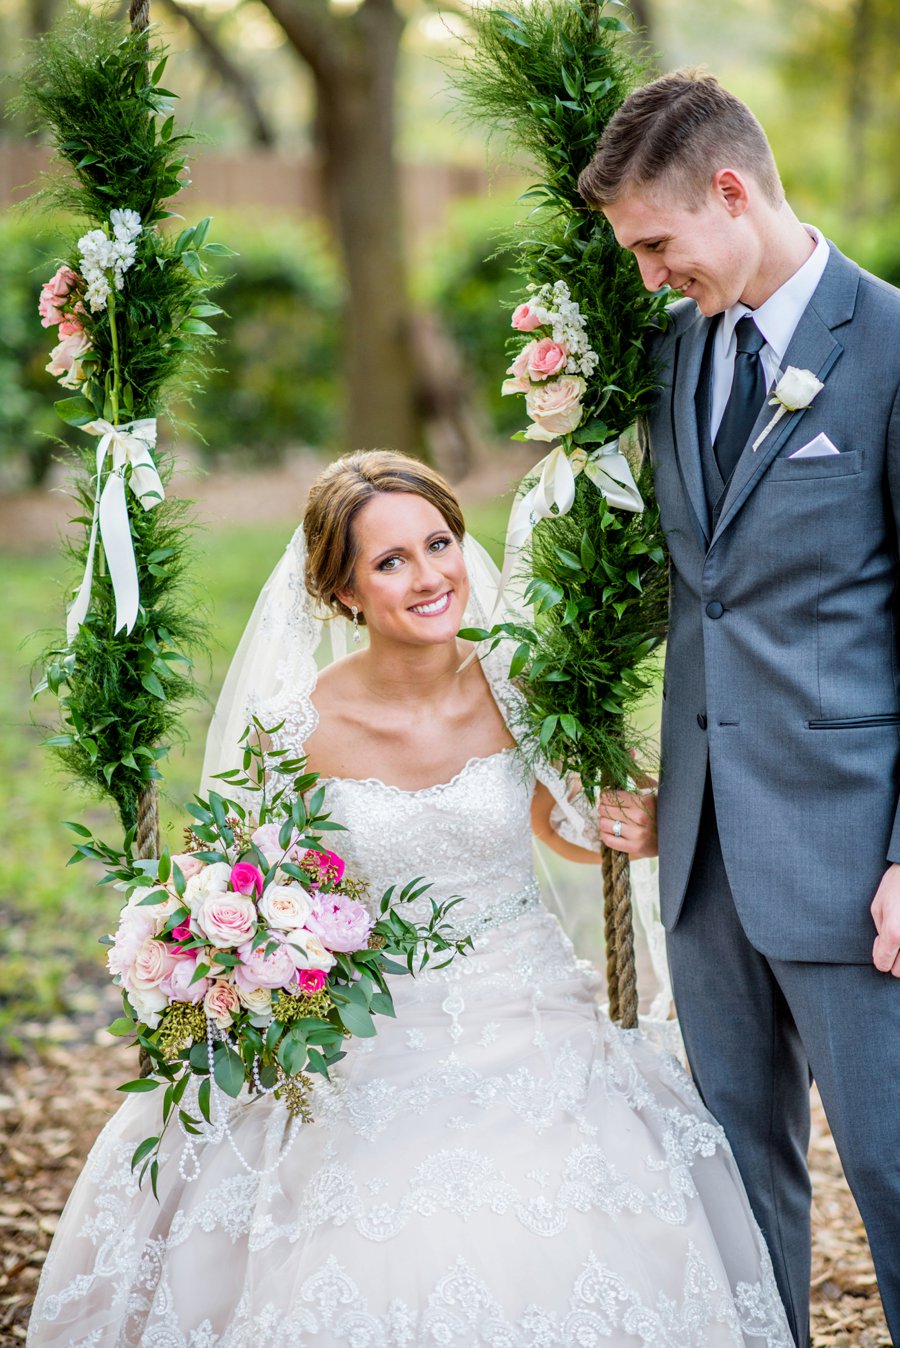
(551, 75)
(131, 303)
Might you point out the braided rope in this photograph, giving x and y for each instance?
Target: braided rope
(621, 974)
(139, 15)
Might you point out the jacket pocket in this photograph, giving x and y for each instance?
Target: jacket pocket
(785, 469)
(857, 722)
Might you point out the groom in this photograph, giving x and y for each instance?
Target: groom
(779, 830)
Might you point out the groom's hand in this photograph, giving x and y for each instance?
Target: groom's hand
(628, 821)
(886, 913)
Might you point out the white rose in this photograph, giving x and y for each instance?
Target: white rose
(213, 879)
(148, 1003)
(159, 913)
(284, 907)
(308, 952)
(555, 407)
(797, 388)
(258, 1001)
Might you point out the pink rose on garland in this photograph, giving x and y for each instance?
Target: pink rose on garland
(245, 878)
(53, 295)
(340, 923)
(65, 359)
(555, 408)
(545, 358)
(524, 319)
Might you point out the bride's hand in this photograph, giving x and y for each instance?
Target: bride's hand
(628, 821)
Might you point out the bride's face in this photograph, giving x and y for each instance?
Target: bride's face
(410, 579)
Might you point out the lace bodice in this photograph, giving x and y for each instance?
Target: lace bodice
(470, 836)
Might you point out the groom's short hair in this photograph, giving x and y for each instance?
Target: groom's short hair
(677, 132)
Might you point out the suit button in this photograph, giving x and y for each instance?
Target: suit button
(715, 609)
(701, 720)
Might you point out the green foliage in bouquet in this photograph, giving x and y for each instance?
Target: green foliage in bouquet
(131, 303)
(248, 960)
(550, 76)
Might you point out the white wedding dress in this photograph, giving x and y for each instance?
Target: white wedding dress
(499, 1166)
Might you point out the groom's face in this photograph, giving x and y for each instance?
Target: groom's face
(707, 252)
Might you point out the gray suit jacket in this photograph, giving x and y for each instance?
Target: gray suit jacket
(783, 659)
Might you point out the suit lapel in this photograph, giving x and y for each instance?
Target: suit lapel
(812, 347)
(685, 378)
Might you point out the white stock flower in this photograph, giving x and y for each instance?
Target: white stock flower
(101, 255)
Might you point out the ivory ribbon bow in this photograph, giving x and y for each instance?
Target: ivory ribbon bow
(130, 444)
(606, 467)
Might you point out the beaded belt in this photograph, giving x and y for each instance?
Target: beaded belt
(507, 910)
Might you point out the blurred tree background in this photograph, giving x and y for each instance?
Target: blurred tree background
(368, 305)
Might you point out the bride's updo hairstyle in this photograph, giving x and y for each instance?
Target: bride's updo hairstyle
(336, 498)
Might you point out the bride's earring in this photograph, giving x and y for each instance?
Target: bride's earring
(357, 635)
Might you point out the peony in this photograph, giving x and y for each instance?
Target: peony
(307, 951)
(311, 980)
(260, 970)
(245, 878)
(555, 408)
(212, 879)
(136, 925)
(66, 360)
(545, 358)
(177, 984)
(266, 839)
(524, 319)
(284, 907)
(226, 919)
(340, 923)
(221, 1003)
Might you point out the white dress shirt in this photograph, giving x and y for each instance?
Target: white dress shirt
(776, 319)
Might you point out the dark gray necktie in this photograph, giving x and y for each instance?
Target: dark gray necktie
(748, 389)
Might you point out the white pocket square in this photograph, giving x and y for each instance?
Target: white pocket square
(815, 449)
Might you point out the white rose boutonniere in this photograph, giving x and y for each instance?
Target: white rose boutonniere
(794, 392)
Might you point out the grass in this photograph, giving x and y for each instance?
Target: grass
(51, 916)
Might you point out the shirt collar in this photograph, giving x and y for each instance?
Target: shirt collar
(778, 316)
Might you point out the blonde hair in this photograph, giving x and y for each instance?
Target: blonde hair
(336, 498)
(678, 131)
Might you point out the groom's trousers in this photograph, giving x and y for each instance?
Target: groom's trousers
(756, 1029)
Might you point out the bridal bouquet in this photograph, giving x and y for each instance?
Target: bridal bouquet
(249, 958)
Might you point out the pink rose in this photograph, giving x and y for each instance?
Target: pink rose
(259, 970)
(524, 319)
(245, 878)
(177, 984)
(546, 358)
(182, 932)
(53, 294)
(226, 919)
(325, 868)
(221, 1003)
(153, 963)
(340, 923)
(65, 360)
(311, 980)
(188, 864)
(266, 839)
(555, 408)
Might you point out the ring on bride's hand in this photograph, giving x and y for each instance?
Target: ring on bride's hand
(617, 829)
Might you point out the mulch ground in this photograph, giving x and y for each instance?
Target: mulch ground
(52, 1107)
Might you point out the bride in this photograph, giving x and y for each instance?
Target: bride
(499, 1166)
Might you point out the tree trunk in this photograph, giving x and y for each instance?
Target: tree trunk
(356, 122)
